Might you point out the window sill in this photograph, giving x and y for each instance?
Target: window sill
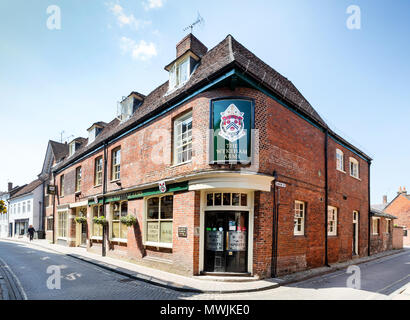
(181, 164)
(115, 181)
(77, 193)
(332, 235)
(299, 236)
(62, 238)
(98, 185)
(119, 240)
(158, 245)
(96, 238)
(341, 170)
(356, 178)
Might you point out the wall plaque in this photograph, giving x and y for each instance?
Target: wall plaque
(183, 232)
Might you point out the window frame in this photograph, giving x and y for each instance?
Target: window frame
(175, 82)
(62, 185)
(177, 133)
(100, 213)
(354, 162)
(303, 218)
(159, 220)
(78, 178)
(115, 174)
(388, 226)
(374, 220)
(329, 220)
(340, 162)
(121, 225)
(98, 173)
(62, 225)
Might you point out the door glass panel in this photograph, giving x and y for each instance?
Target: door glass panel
(226, 241)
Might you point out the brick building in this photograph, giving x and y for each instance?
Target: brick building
(226, 168)
(400, 207)
(382, 231)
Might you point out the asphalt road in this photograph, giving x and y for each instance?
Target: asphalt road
(379, 279)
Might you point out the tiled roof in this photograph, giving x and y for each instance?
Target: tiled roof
(221, 58)
(27, 188)
(378, 213)
(60, 150)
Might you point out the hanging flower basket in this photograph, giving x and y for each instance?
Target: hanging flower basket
(80, 220)
(100, 220)
(3, 208)
(129, 221)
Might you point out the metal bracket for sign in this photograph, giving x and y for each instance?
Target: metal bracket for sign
(280, 184)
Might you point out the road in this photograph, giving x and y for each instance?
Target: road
(379, 279)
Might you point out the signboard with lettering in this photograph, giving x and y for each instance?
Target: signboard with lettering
(152, 231)
(215, 240)
(237, 241)
(51, 189)
(232, 121)
(166, 232)
(280, 184)
(183, 232)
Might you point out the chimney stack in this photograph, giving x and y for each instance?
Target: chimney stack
(10, 186)
(402, 190)
(384, 199)
(190, 42)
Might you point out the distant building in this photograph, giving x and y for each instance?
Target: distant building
(4, 218)
(400, 207)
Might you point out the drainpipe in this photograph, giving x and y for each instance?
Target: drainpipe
(326, 197)
(275, 220)
(54, 208)
(103, 247)
(368, 216)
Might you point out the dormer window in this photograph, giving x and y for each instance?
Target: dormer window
(179, 74)
(75, 145)
(95, 130)
(128, 105)
(72, 148)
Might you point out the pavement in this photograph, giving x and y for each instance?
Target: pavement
(163, 285)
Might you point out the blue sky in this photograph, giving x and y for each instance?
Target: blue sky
(64, 80)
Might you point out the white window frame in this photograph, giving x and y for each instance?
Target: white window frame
(98, 171)
(28, 206)
(62, 185)
(355, 163)
(377, 231)
(71, 148)
(159, 220)
(175, 81)
(93, 225)
(179, 142)
(340, 163)
(62, 226)
(116, 164)
(24, 207)
(112, 238)
(299, 215)
(78, 178)
(388, 223)
(332, 221)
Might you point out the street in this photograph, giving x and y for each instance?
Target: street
(380, 279)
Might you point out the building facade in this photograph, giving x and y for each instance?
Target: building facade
(400, 207)
(25, 209)
(383, 231)
(4, 218)
(223, 169)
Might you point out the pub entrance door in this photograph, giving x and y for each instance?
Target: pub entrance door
(226, 242)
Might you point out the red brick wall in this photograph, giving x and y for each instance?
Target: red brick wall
(397, 238)
(382, 241)
(400, 207)
(287, 143)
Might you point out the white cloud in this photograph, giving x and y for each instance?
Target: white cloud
(124, 19)
(153, 4)
(139, 51)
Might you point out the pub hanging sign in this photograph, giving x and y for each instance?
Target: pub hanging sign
(232, 121)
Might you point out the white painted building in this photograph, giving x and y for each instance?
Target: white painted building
(25, 208)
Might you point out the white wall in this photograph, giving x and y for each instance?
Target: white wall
(35, 198)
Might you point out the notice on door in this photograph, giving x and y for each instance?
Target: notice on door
(215, 240)
(237, 241)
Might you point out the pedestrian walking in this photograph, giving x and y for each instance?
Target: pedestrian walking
(31, 232)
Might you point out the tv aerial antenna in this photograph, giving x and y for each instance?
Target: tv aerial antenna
(199, 21)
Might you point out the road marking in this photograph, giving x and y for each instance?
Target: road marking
(17, 281)
(394, 283)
